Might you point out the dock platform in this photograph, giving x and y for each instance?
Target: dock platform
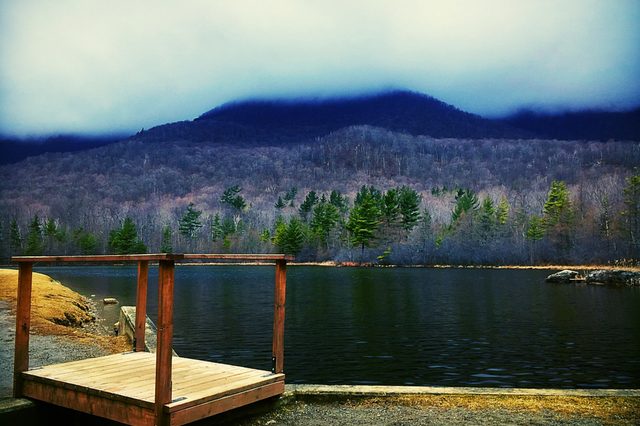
(142, 388)
(122, 387)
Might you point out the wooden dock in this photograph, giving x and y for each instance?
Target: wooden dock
(141, 388)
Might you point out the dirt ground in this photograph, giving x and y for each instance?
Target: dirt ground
(63, 326)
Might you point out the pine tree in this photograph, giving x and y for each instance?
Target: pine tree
(365, 217)
(217, 233)
(409, 203)
(535, 232)
(631, 214)
(291, 195)
(51, 233)
(166, 246)
(289, 238)
(231, 196)
(466, 201)
(125, 240)
(15, 238)
(558, 216)
(307, 205)
(325, 218)
(189, 224)
(280, 204)
(86, 242)
(341, 202)
(502, 211)
(487, 218)
(34, 238)
(390, 207)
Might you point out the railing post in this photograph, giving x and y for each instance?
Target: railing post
(165, 335)
(23, 324)
(141, 305)
(278, 316)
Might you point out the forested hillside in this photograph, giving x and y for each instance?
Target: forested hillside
(359, 193)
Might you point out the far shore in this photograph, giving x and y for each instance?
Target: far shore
(350, 264)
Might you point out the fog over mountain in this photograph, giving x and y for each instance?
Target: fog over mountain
(289, 121)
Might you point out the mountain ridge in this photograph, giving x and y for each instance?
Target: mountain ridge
(285, 121)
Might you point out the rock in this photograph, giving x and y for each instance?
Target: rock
(614, 277)
(564, 276)
(109, 300)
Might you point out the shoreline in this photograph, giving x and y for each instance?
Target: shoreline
(348, 264)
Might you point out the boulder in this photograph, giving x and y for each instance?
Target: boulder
(565, 276)
(614, 277)
(110, 301)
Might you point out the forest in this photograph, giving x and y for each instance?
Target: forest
(359, 194)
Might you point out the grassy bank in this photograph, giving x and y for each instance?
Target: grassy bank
(60, 311)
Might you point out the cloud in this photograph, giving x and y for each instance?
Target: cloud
(94, 66)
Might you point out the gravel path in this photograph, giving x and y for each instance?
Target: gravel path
(43, 350)
(391, 413)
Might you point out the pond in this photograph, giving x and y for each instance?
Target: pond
(396, 326)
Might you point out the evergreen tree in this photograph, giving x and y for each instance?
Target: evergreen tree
(390, 207)
(487, 218)
(86, 242)
(280, 204)
(631, 214)
(364, 218)
(35, 244)
(535, 232)
(189, 224)
(217, 233)
(409, 203)
(51, 234)
(125, 240)
(290, 238)
(166, 246)
(231, 196)
(307, 205)
(502, 211)
(558, 216)
(15, 237)
(325, 218)
(341, 202)
(291, 195)
(466, 201)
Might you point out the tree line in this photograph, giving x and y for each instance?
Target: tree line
(392, 225)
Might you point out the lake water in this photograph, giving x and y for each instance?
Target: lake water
(443, 327)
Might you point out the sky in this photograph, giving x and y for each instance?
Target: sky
(95, 67)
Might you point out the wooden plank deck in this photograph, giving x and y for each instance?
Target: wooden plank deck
(122, 387)
(141, 388)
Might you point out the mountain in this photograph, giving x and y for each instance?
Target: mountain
(268, 122)
(13, 150)
(281, 122)
(581, 125)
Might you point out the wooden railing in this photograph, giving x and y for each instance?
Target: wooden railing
(166, 265)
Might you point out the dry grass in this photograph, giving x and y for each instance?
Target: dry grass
(605, 409)
(58, 310)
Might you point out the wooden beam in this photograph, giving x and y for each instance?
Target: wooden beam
(23, 324)
(97, 405)
(226, 256)
(165, 335)
(278, 316)
(226, 403)
(99, 258)
(141, 305)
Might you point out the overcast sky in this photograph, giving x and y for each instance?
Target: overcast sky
(118, 66)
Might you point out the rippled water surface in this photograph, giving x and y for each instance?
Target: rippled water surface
(448, 327)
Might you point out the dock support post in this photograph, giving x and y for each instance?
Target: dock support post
(23, 324)
(165, 335)
(141, 305)
(278, 316)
